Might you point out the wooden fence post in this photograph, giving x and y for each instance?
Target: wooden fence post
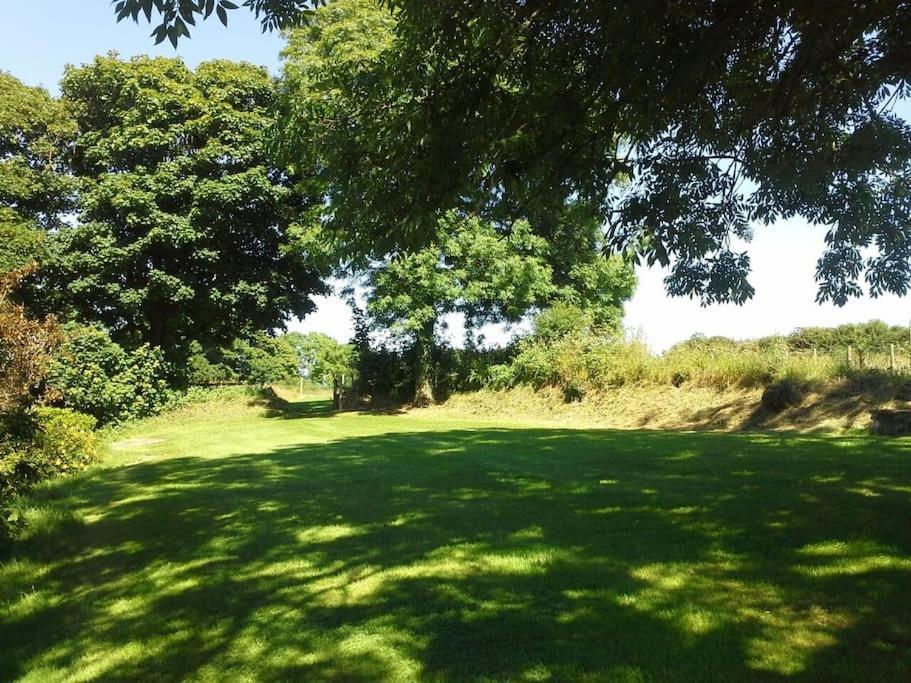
(850, 357)
(892, 364)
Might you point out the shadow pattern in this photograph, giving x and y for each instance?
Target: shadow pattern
(477, 554)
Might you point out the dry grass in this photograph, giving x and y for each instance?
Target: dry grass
(586, 363)
(835, 406)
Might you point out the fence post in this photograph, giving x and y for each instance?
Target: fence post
(892, 358)
(815, 354)
(850, 357)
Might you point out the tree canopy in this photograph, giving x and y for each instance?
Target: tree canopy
(677, 125)
(35, 135)
(176, 16)
(36, 189)
(470, 269)
(321, 358)
(183, 223)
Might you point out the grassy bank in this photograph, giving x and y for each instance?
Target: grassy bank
(828, 406)
(581, 363)
(237, 541)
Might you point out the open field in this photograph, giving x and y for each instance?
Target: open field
(231, 543)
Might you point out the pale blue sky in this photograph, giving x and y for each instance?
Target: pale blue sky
(39, 37)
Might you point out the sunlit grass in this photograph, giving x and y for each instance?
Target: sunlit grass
(225, 544)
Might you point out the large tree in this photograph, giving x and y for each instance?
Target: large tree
(321, 358)
(330, 67)
(36, 190)
(35, 134)
(489, 270)
(183, 221)
(716, 115)
(468, 268)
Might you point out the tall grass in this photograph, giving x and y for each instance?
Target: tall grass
(584, 362)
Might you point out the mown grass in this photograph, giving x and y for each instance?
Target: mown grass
(237, 544)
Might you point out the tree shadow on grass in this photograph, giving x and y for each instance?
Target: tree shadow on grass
(519, 554)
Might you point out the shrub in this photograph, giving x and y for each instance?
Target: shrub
(562, 319)
(39, 444)
(783, 394)
(65, 439)
(533, 365)
(501, 376)
(26, 346)
(94, 375)
(201, 371)
(581, 362)
(615, 363)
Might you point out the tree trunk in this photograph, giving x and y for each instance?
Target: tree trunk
(423, 368)
(156, 326)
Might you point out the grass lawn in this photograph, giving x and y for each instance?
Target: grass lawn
(227, 545)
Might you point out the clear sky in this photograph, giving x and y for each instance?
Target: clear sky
(39, 37)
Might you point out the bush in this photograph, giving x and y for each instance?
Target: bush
(96, 376)
(501, 376)
(39, 444)
(534, 365)
(582, 362)
(201, 371)
(65, 439)
(562, 319)
(783, 394)
(26, 347)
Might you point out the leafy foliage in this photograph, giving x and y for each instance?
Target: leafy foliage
(178, 15)
(21, 244)
(94, 375)
(35, 135)
(331, 64)
(184, 221)
(679, 127)
(261, 359)
(873, 336)
(26, 348)
(322, 359)
(470, 269)
(560, 320)
(38, 444)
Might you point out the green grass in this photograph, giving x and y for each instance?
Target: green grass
(226, 545)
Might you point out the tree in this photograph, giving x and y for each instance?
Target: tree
(93, 375)
(261, 359)
(176, 16)
(471, 269)
(717, 116)
(321, 358)
(183, 222)
(35, 134)
(328, 66)
(20, 242)
(35, 187)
